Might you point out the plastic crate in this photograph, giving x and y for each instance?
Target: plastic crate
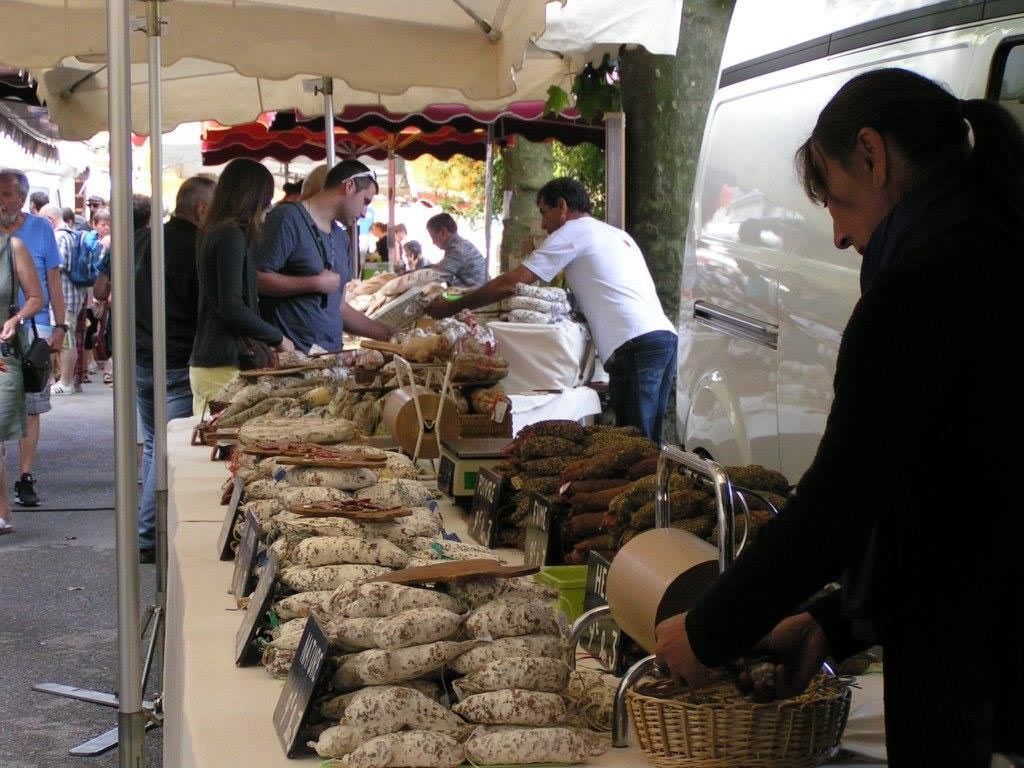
(571, 583)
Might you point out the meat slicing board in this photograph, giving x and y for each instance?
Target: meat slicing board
(257, 372)
(358, 515)
(456, 570)
(302, 461)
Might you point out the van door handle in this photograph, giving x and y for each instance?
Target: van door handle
(735, 324)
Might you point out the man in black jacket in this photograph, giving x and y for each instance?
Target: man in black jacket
(181, 300)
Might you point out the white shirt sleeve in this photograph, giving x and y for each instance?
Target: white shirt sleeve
(553, 255)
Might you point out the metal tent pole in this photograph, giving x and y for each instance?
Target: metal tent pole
(489, 192)
(131, 718)
(327, 86)
(392, 179)
(156, 176)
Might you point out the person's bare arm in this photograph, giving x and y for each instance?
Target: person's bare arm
(276, 284)
(358, 324)
(501, 287)
(58, 306)
(28, 279)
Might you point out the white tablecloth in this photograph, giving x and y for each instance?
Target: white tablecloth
(577, 403)
(541, 356)
(216, 713)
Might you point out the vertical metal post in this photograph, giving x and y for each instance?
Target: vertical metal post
(615, 169)
(489, 193)
(392, 179)
(159, 320)
(327, 86)
(131, 720)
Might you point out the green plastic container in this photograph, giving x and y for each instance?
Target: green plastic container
(571, 583)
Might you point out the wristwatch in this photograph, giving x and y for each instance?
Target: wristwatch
(62, 326)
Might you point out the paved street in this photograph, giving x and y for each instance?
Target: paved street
(58, 620)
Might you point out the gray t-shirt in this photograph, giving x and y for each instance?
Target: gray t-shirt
(290, 246)
(462, 264)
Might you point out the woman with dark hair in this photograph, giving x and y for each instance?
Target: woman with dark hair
(227, 279)
(930, 190)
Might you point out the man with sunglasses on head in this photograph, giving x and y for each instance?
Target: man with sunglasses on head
(303, 261)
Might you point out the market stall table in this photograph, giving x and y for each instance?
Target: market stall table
(216, 713)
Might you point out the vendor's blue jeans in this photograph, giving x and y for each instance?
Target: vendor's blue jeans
(179, 405)
(640, 377)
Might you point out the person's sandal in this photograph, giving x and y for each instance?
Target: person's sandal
(108, 379)
(5, 527)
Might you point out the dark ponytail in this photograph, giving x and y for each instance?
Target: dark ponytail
(933, 131)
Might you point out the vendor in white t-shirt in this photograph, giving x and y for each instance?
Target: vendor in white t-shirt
(609, 277)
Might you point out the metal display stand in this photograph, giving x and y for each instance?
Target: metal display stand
(714, 476)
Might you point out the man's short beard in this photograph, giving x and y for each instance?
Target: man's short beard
(7, 219)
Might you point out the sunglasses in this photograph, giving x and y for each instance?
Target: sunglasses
(364, 174)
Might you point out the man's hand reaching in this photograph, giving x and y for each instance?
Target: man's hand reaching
(801, 646)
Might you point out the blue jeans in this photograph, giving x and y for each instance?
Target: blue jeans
(179, 405)
(640, 376)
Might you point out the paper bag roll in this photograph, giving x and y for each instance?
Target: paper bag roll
(401, 420)
(658, 574)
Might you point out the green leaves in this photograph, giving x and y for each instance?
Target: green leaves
(595, 91)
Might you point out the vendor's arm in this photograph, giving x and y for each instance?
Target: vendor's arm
(499, 288)
(358, 324)
(276, 284)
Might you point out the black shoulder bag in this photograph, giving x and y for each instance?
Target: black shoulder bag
(35, 360)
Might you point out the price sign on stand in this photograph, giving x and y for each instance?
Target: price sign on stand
(297, 696)
(224, 540)
(258, 606)
(241, 579)
(446, 476)
(538, 531)
(486, 500)
(604, 638)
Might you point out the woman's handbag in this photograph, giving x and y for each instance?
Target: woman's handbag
(254, 353)
(34, 354)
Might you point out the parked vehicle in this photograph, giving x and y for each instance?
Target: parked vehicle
(765, 293)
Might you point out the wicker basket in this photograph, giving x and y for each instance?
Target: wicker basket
(718, 728)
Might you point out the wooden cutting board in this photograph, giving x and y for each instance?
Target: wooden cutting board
(302, 461)
(358, 515)
(456, 570)
(257, 372)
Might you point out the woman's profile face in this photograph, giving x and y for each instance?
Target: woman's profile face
(855, 201)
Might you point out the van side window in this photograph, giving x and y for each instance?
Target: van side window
(1007, 85)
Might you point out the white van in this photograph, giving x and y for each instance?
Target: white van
(765, 294)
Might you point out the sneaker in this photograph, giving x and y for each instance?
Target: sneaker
(25, 491)
(61, 388)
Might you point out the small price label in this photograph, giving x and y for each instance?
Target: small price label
(603, 639)
(303, 677)
(230, 518)
(538, 532)
(242, 578)
(258, 606)
(446, 476)
(486, 501)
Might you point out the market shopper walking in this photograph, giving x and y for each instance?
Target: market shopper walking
(609, 277)
(37, 235)
(930, 190)
(227, 279)
(17, 273)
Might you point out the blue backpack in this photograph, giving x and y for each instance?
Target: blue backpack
(85, 261)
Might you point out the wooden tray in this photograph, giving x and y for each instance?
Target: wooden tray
(257, 372)
(359, 515)
(302, 461)
(457, 570)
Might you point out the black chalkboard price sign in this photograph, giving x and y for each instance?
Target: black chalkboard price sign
(242, 580)
(604, 638)
(538, 531)
(259, 604)
(446, 476)
(224, 540)
(486, 500)
(297, 696)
